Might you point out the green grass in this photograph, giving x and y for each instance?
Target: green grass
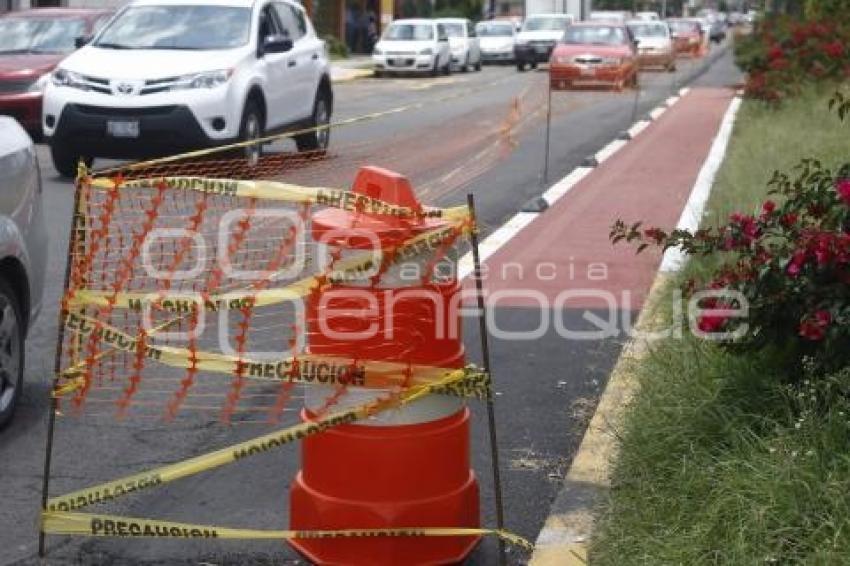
(721, 463)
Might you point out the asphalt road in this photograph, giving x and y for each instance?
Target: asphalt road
(482, 133)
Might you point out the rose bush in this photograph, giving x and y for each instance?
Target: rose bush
(783, 53)
(789, 260)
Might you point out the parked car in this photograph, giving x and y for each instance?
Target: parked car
(718, 31)
(538, 37)
(619, 16)
(655, 44)
(413, 45)
(687, 36)
(496, 39)
(463, 43)
(594, 54)
(32, 42)
(23, 256)
(166, 76)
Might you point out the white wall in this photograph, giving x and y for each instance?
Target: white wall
(553, 7)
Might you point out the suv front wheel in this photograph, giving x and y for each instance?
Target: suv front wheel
(317, 139)
(251, 128)
(65, 160)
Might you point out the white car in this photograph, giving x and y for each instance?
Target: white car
(23, 256)
(654, 43)
(537, 38)
(413, 45)
(463, 42)
(496, 39)
(166, 76)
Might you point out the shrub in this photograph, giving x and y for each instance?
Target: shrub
(788, 264)
(783, 53)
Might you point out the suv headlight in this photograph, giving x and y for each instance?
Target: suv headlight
(39, 84)
(427, 51)
(208, 79)
(62, 77)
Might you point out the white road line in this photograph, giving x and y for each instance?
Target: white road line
(606, 152)
(638, 127)
(693, 212)
(656, 113)
(562, 187)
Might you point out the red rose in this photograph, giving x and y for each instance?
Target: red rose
(789, 219)
(710, 323)
(842, 187)
(811, 331)
(823, 318)
(834, 49)
(768, 207)
(795, 266)
(775, 52)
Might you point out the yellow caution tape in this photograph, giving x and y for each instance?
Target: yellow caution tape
(349, 269)
(285, 192)
(95, 525)
(310, 369)
(114, 489)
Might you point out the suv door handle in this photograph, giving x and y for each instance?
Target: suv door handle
(315, 56)
(291, 63)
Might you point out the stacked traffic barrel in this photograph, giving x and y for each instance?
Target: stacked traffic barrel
(403, 468)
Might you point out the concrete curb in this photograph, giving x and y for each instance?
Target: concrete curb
(345, 75)
(565, 535)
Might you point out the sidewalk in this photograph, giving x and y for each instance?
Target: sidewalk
(355, 67)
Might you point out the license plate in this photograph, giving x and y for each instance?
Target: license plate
(541, 48)
(123, 129)
(587, 71)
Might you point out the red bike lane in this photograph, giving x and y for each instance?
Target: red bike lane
(561, 297)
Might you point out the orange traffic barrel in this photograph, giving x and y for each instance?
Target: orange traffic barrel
(407, 467)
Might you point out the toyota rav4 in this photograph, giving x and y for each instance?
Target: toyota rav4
(166, 76)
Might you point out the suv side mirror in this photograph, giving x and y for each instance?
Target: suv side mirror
(276, 44)
(81, 40)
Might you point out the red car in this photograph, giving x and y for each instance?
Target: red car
(594, 54)
(687, 37)
(32, 43)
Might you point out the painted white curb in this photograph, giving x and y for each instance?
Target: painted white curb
(693, 212)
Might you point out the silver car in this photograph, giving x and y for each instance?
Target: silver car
(23, 256)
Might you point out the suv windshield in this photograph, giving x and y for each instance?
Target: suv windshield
(595, 35)
(648, 30)
(544, 24)
(178, 27)
(494, 30)
(39, 35)
(409, 32)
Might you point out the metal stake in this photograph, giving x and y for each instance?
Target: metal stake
(485, 355)
(57, 364)
(548, 133)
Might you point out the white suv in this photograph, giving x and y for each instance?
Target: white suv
(166, 76)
